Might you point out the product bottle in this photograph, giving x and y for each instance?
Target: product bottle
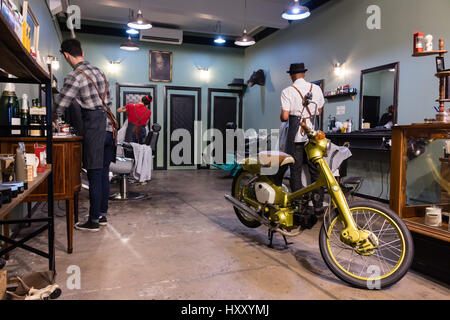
(21, 168)
(25, 115)
(34, 112)
(9, 110)
(349, 126)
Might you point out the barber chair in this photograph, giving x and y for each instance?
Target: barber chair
(125, 162)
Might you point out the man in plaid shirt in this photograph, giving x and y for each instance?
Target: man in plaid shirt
(86, 88)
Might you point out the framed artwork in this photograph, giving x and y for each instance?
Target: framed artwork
(30, 28)
(160, 66)
(440, 64)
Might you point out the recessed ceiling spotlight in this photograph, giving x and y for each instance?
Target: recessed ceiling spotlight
(220, 40)
(132, 31)
(296, 12)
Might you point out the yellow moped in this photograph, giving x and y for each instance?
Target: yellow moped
(362, 243)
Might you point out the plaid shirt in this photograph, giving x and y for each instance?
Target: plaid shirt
(79, 88)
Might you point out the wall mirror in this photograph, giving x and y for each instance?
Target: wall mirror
(379, 97)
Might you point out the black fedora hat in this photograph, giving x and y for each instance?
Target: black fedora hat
(297, 68)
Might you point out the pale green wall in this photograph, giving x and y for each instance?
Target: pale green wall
(223, 63)
(337, 32)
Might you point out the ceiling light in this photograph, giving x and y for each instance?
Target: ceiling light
(245, 40)
(220, 40)
(296, 12)
(129, 45)
(139, 22)
(132, 31)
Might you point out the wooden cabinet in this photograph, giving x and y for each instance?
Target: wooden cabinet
(67, 158)
(414, 215)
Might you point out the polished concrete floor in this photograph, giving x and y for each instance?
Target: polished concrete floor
(185, 242)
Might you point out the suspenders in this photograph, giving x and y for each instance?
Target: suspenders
(304, 107)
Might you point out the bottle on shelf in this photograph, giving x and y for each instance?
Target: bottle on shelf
(25, 115)
(9, 110)
(20, 166)
(34, 120)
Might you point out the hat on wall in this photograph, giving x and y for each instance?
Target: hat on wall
(297, 68)
(237, 82)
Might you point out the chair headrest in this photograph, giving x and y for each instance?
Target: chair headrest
(156, 127)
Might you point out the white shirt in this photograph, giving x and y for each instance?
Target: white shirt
(292, 101)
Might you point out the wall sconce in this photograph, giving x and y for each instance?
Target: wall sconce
(204, 73)
(339, 69)
(113, 66)
(53, 61)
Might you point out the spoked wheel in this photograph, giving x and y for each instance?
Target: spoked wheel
(378, 268)
(239, 182)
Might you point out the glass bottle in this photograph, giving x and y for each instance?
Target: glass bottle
(25, 115)
(9, 110)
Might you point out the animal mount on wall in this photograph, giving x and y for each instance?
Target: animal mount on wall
(258, 77)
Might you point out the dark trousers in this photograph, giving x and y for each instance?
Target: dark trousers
(99, 182)
(141, 135)
(299, 154)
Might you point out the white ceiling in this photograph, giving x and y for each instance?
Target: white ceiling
(191, 15)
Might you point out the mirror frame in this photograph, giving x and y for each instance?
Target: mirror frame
(396, 66)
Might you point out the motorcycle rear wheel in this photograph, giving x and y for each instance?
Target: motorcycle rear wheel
(386, 265)
(239, 181)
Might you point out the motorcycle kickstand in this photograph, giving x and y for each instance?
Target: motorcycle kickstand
(270, 235)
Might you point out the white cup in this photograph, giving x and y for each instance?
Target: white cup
(433, 217)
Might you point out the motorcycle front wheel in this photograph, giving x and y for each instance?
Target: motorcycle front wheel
(386, 265)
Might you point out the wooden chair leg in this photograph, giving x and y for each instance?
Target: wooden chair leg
(69, 224)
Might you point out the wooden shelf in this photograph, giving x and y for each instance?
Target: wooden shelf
(443, 100)
(429, 53)
(342, 95)
(443, 74)
(15, 59)
(8, 207)
(417, 224)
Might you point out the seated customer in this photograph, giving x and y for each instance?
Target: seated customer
(387, 117)
(138, 117)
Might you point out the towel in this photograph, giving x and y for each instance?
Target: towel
(143, 158)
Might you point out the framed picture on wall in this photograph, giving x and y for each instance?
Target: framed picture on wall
(160, 66)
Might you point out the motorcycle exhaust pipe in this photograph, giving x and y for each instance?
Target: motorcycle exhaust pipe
(243, 207)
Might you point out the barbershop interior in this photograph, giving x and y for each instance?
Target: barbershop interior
(224, 150)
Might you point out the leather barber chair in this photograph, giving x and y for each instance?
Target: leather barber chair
(125, 163)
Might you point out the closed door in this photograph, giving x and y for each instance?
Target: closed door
(182, 109)
(225, 106)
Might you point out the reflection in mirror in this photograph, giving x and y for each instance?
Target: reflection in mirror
(379, 91)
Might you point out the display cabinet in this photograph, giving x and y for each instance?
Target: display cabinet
(420, 176)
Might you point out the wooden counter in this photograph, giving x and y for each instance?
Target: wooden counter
(67, 158)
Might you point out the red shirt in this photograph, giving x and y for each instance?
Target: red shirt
(141, 113)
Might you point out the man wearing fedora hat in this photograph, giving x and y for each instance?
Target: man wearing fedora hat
(294, 111)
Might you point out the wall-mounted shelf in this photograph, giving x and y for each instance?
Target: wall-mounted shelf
(343, 95)
(443, 74)
(429, 53)
(16, 60)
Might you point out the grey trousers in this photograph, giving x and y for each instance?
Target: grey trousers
(299, 154)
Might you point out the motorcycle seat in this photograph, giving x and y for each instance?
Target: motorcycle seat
(274, 158)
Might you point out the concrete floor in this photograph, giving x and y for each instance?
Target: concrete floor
(185, 242)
